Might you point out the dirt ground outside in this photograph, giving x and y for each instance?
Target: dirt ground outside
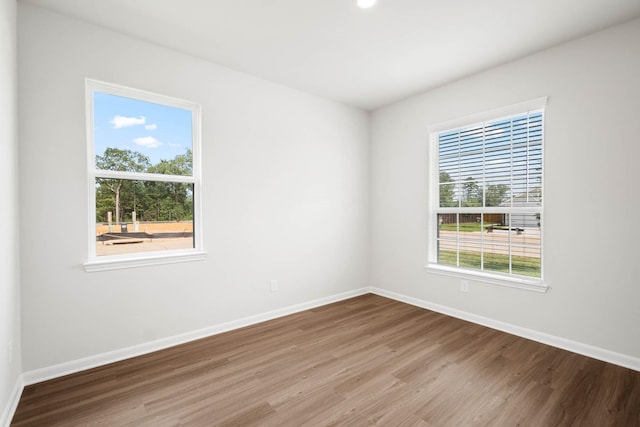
(137, 245)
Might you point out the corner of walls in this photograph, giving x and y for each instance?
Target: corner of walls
(10, 337)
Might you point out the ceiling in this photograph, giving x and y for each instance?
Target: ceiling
(364, 58)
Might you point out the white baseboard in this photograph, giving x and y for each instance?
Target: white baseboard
(43, 374)
(74, 366)
(12, 404)
(552, 340)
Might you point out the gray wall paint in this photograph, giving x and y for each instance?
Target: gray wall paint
(286, 187)
(591, 194)
(10, 243)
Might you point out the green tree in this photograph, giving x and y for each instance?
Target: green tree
(495, 194)
(472, 194)
(151, 200)
(170, 200)
(116, 159)
(447, 191)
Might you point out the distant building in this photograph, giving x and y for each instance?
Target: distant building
(532, 197)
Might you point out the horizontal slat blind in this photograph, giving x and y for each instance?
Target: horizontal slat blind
(490, 195)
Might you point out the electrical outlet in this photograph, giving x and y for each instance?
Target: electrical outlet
(274, 285)
(464, 285)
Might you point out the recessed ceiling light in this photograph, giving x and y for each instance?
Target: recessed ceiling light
(365, 4)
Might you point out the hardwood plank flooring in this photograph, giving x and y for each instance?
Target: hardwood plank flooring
(364, 361)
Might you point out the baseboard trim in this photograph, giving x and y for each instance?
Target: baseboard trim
(541, 337)
(12, 404)
(67, 368)
(72, 367)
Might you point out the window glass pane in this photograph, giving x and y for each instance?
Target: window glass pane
(131, 135)
(471, 255)
(525, 260)
(496, 259)
(471, 192)
(448, 226)
(526, 245)
(448, 144)
(470, 236)
(448, 196)
(447, 239)
(449, 169)
(498, 235)
(497, 194)
(520, 232)
(471, 140)
(143, 216)
(447, 254)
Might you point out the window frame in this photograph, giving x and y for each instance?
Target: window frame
(432, 266)
(112, 262)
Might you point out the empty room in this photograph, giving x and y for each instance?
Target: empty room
(343, 212)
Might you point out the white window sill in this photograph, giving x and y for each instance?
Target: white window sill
(113, 263)
(535, 285)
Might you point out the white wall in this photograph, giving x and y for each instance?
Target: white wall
(286, 188)
(591, 235)
(9, 243)
(287, 183)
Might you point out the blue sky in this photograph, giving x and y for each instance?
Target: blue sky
(158, 131)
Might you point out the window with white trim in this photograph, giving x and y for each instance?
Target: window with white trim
(144, 177)
(486, 183)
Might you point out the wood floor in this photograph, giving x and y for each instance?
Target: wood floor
(363, 361)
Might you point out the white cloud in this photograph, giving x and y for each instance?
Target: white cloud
(147, 141)
(125, 122)
(152, 126)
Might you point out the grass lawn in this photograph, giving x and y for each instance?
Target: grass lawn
(464, 226)
(527, 266)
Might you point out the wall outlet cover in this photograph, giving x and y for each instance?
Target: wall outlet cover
(464, 285)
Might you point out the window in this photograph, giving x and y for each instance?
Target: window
(487, 187)
(144, 178)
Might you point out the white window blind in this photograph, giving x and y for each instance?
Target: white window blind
(489, 181)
